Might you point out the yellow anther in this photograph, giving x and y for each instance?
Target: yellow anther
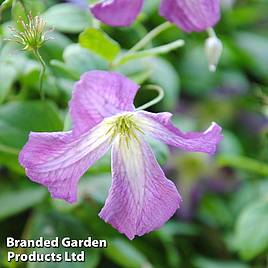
(125, 127)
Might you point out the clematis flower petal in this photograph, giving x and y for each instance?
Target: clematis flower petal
(57, 160)
(117, 12)
(100, 94)
(160, 127)
(191, 15)
(141, 198)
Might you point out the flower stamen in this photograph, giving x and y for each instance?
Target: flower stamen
(34, 33)
(125, 127)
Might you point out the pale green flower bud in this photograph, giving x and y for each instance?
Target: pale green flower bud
(213, 47)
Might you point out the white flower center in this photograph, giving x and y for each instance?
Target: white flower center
(125, 126)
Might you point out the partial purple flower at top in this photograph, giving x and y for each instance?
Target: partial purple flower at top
(141, 198)
(117, 12)
(189, 15)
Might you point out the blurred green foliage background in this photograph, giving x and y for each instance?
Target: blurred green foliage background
(223, 222)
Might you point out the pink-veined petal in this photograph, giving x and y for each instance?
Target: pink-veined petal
(160, 127)
(141, 198)
(117, 12)
(100, 94)
(191, 15)
(57, 160)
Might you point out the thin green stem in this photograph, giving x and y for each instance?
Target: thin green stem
(150, 36)
(143, 42)
(42, 73)
(211, 32)
(154, 101)
(95, 23)
(149, 52)
(243, 163)
(8, 149)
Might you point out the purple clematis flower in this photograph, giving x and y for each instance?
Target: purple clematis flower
(141, 198)
(189, 15)
(117, 12)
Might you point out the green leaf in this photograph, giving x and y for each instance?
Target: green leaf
(243, 16)
(11, 66)
(64, 71)
(160, 149)
(234, 79)
(67, 18)
(254, 47)
(230, 145)
(18, 10)
(77, 60)
(100, 43)
(81, 60)
(13, 202)
(165, 75)
(55, 46)
(138, 70)
(173, 228)
(31, 116)
(7, 77)
(125, 254)
(201, 262)
(193, 67)
(244, 196)
(49, 224)
(17, 119)
(96, 187)
(214, 211)
(251, 230)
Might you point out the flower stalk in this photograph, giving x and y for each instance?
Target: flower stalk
(154, 101)
(135, 52)
(150, 36)
(42, 73)
(32, 37)
(213, 48)
(211, 32)
(149, 52)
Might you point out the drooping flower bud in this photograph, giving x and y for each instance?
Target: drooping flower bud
(34, 33)
(213, 48)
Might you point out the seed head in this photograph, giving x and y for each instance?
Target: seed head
(33, 35)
